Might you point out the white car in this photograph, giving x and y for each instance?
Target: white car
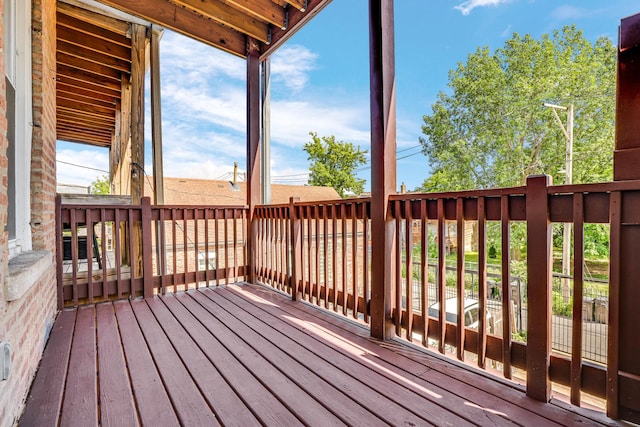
(471, 309)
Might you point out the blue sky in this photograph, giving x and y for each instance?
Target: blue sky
(320, 83)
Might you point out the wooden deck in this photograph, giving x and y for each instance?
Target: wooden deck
(245, 355)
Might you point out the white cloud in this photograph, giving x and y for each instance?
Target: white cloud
(291, 66)
(467, 6)
(506, 32)
(75, 170)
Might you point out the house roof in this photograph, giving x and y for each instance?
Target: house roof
(192, 191)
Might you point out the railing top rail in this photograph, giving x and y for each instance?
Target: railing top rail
(492, 192)
(600, 187)
(245, 207)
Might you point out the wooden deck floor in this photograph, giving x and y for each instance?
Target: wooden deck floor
(244, 355)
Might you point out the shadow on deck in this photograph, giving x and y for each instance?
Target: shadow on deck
(246, 355)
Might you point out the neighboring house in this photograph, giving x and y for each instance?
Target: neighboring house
(192, 191)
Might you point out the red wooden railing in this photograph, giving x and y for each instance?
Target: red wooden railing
(320, 252)
(118, 255)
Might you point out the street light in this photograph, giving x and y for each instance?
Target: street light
(568, 173)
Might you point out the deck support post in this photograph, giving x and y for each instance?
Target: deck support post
(383, 164)
(254, 188)
(147, 248)
(623, 364)
(539, 274)
(266, 131)
(296, 249)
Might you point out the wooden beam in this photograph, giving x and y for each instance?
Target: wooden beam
(297, 20)
(138, 54)
(88, 66)
(298, 4)
(81, 117)
(185, 22)
(229, 16)
(95, 44)
(75, 97)
(82, 139)
(83, 76)
(253, 149)
(91, 30)
(115, 25)
(93, 56)
(83, 131)
(383, 164)
(66, 123)
(85, 93)
(265, 10)
(94, 88)
(156, 120)
(86, 108)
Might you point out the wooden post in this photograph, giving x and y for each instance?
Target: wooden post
(623, 367)
(156, 120)
(147, 249)
(253, 148)
(138, 48)
(59, 250)
(266, 131)
(296, 249)
(539, 273)
(383, 162)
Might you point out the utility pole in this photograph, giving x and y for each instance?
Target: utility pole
(566, 235)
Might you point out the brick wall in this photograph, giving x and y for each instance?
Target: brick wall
(24, 323)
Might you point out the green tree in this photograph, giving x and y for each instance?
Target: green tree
(491, 130)
(101, 185)
(333, 164)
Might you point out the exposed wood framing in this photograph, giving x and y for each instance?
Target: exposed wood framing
(383, 162)
(253, 147)
(156, 120)
(138, 54)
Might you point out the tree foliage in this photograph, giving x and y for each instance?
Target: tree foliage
(333, 164)
(101, 185)
(490, 128)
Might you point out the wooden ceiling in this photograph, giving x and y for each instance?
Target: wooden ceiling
(93, 54)
(94, 51)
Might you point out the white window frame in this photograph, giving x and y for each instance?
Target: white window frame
(17, 22)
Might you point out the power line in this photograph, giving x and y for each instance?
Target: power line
(81, 166)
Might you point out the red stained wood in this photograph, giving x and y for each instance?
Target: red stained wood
(47, 390)
(506, 287)
(80, 406)
(117, 407)
(152, 402)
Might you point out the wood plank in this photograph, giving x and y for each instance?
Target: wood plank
(190, 405)
(83, 139)
(81, 92)
(105, 47)
(93, 110)
(154, 406)
(265, 10)
(92, 87)
(75, 24)
(283, 377)
(195, 320)
(80, 406)
(392, 402)
(93, 56)
(115, 25)
(47, 391)
(185, 22)
(228, 407)
(489, 392)
(117, 407)
(88, 66)
(83, 76)
(77, 96)
(224, 14)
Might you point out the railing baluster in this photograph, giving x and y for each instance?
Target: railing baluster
(409, 267)
(226, 246)
(309, 252)
(354, 257)
(334, 266)
(398, 288)
(482, 281)
(206, 245)
(460, 277)
(118, 251)
(441, 276)
(235, 244)
(174, 242)
(217, 244)
(185, 245)
(578, 259)
(424, 270)
(162, 253)
(317, 242)
(196, 246)
(325, 246)
(613, 364)
(103, 257)
(345, 290)
(506, 286)
(132, 270)
(89, 227)
(74, 254)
